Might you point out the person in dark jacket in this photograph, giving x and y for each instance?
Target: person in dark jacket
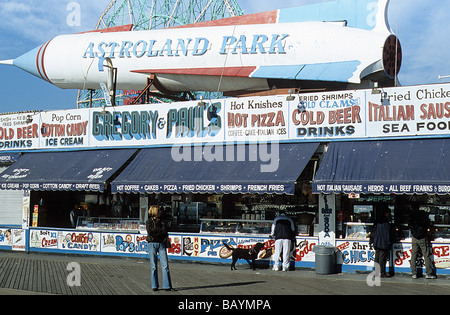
(381, 239)
(283, 229)
(158, 242)
(419, 225)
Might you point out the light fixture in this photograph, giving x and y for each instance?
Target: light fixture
(103, 112)
(290, 97)
(385, 100)
(375, 89)
(201, 103)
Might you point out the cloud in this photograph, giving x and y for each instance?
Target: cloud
(38, 23)
(27, 19)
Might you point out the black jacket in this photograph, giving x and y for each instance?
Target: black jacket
(419, 223)
(157, 230)
(382, 235)
(283, 228)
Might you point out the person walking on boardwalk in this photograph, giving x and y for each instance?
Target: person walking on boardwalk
(158, 242)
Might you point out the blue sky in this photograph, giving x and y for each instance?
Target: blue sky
(423, 29)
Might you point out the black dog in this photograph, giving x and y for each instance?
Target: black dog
(247, 254)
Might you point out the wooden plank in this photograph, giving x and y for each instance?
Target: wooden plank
(88, 283)
(36, 270)
(39, 273)
(51, 285)
(110, 287)
(5, 271)
(4, 261)
(11, 274)
(21, 274)
(61, 276)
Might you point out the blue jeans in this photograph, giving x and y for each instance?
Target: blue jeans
(153, 250)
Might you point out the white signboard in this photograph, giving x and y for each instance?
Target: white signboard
(406, 112)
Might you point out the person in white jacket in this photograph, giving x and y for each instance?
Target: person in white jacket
(283, 231)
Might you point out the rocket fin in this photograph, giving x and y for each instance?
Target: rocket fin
(337, 71)
(243, 72)
(120, 28)
(268, 17)
(331, 71)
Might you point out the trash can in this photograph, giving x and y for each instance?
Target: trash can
(325, 259)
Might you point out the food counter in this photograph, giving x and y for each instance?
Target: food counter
(108, 224)
(357, 230)
(106, 236)
(253, 227)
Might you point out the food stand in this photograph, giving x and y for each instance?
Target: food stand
(119, 174)
(357, 213)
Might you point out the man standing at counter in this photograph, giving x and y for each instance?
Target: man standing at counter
(419, 224)
(381, 239)
(283, 231)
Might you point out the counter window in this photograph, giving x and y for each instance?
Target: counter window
(192, 213)
(359, 214)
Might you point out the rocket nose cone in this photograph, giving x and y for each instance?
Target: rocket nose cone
(27, 62)
(33, 62)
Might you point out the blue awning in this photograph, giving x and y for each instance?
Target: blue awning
(386, 167)
(261, 169)
(79, 170)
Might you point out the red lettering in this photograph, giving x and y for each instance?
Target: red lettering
(441, 251)
(401, 256)
(302, 252)
(343, 246)
(82, 238)
(46, 243)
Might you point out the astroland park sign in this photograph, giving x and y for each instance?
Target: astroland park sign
(404, 112)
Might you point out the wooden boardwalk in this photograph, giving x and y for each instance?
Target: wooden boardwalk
(47, 274)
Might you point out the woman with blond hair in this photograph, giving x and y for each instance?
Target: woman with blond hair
(158, 242)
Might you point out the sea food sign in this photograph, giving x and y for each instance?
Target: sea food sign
(406, 112)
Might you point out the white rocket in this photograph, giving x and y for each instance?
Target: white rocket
(344, 42)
